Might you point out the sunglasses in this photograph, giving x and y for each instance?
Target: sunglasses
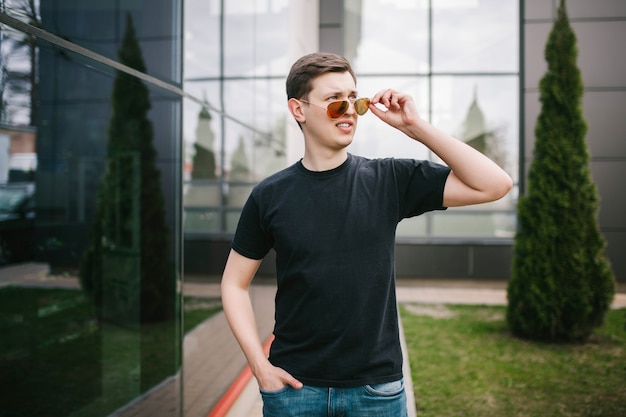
(336, 109)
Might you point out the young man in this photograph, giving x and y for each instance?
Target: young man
(331, 219)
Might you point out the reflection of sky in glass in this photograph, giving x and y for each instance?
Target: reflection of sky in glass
(255, 37)
(475, 36)
(201, 43)
(394, 38)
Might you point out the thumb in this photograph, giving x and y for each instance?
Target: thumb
(378, 112)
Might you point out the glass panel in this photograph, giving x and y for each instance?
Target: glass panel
(202, 188)
(255, 37)
(201, 220)
(414, 227)
(475, 35)
(202, 130)
(232, 218)
(252, 136)
(482, 111)
(101, 212)
(202, 34)
(474, 223)
(400, 46)
(254, 139)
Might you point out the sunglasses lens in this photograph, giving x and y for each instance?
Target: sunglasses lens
(362, 105)
(337, 109)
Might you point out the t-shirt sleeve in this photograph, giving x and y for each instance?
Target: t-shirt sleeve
(420, 186)
(251, 239)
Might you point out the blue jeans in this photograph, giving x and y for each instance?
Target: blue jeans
(379, 400)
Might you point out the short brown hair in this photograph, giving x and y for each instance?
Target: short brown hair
(307, 68)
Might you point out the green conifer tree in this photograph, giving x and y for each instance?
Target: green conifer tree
(561, 284)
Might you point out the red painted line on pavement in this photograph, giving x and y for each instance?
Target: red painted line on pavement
(234, 391)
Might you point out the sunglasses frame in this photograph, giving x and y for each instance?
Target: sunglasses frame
(344, 105)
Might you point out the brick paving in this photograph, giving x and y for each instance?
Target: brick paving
(213, 359)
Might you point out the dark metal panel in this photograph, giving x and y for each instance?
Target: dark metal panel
(491, 261)
(432, 261)
(536, 36)
(616, 242)
(538, 9)
(608, 175)
(601, 55)
(604, 113)
(583, 9)
(532, 107)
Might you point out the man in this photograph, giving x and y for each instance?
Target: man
(331, 219)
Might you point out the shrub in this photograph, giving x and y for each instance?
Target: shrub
(561, 283)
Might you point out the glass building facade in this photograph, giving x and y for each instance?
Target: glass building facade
(131, 133)
(92, 322)
(467, 85)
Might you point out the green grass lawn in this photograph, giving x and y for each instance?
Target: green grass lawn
(464, 362)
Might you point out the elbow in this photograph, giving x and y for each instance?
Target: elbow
(502, 187)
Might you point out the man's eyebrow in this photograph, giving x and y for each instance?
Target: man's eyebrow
(341, 92)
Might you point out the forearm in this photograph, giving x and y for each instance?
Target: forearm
(238, 275)
(474, 178)
(240, 316)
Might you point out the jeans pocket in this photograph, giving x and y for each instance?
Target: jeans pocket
(387, 389)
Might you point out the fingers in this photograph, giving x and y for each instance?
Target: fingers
(389, 98)
(277, 379)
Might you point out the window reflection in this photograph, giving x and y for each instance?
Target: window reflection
(399, 46)
(247, 142)
(255, 38)
(202, 29)
(473, 35)
(481, 111)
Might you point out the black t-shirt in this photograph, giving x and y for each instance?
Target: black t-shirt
(334, 237)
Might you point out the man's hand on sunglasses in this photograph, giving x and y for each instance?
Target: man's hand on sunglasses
(398, 110)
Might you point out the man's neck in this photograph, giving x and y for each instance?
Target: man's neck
(326, 162)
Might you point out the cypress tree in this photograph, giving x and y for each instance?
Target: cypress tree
(561, 283)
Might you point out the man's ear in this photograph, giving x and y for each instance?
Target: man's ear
(295, 108)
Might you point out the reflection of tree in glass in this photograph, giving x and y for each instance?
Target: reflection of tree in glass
(239, 165)
(204, 158)
(477, 134)
(128, 242)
